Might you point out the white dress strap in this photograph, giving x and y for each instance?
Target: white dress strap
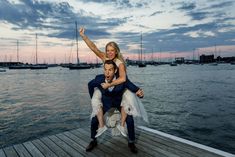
(118, 62)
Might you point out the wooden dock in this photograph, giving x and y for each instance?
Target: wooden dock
(73, 143)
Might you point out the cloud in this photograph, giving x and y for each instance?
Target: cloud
(32, 14)
(195, 15)
(190, 9)
(57, 18)
(222, 5)
(156, 12)
(120, 3)
(179, 25)
(9, 12)
(186, 38)
(212, 9)
(187, 6)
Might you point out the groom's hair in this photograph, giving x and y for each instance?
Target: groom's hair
(111, 62)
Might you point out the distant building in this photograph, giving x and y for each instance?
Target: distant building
(207, 58)
(226, 59)
(211, 59)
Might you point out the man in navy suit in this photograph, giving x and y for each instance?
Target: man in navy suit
(111, 98)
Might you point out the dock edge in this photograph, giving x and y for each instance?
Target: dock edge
(194, 144)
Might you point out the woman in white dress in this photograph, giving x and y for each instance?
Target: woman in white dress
(112, 52)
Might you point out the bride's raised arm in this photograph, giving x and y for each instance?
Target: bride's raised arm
(91, 45)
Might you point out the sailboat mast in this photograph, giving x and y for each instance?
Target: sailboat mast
(152, 55)
(36, 48)
(215, 51)
(17, 51)
(141, 45)
(77, 41)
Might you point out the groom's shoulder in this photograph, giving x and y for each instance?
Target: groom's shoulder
(100, 76)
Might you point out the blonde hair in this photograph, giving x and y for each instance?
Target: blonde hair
(117, 49)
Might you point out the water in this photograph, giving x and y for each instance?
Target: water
(195, 102)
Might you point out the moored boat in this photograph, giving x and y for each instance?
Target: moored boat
(21, 66)
(2, 70)
(173, 64)
(79, 66)
(39, 66)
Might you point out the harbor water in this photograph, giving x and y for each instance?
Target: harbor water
(195, 102)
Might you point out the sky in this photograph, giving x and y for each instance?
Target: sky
(169, 28)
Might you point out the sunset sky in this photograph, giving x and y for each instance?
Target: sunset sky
(172, 28)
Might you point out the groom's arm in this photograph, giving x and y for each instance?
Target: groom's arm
(131, 86)
(135, 89)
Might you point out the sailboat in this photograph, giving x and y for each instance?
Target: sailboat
(38, 66)
(19, 65)
(141, 64)
(78, 65)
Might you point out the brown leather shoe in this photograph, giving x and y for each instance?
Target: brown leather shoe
(132, 148)
(91, 146)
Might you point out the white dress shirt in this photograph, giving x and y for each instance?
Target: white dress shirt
(110, 88)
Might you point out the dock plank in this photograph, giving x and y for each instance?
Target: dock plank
(107, 149)
(87, 139)
(2, 154)
(43, 148)
(160, 147)
(10, 152)
(169, 145)
(84, 144)
(74, 145)
(111, 146)
(54, 147)
(123, 143)
(71, 151)
(21, 150)
(33, 150)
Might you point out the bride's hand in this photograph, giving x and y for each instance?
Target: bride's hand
(105, 85)
(82, 31)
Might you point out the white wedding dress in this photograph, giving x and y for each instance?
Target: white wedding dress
(131, 103)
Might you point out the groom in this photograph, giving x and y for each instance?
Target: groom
(111, 98)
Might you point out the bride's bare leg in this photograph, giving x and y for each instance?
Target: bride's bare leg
(123, 116)
(102, 128)
(100, 117)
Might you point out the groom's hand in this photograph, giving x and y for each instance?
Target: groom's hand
(140, 93)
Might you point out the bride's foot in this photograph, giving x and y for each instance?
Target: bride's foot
(122, 130)
(100, 131)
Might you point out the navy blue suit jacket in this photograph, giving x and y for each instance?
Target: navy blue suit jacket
(113, 98)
